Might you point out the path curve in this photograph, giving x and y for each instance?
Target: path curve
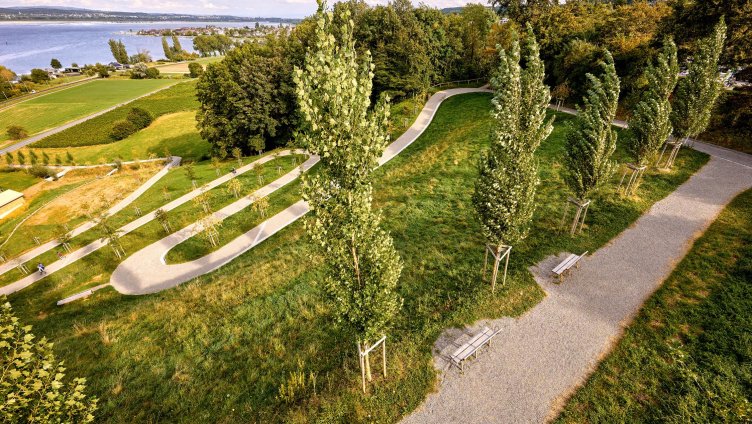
(146, 272)
(539, 359)
(127, 228)
(39, 136)
(86, 226)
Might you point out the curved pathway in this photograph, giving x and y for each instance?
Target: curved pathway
(86, 226)
(146, 271)
(127, 228)
(539, 359)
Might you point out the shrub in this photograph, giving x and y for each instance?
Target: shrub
(17, 132)
(42, 172)
(39, 76)
(195, 69)
(140, 117)
(122, 129)
(152, 73)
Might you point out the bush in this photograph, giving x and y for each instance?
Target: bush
(42, 172)
(122, 129)
(17, 132)
(140, 117)
(195, 69)
(152, 73)
(39, 75)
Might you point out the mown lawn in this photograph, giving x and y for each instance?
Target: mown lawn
(182, 68)
(18, 180)
(687, 357)
(49, 111)
(180, 97)
(174, 133)
(219, 348)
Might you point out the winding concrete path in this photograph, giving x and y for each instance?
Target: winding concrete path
(127, 228)
(86, 226)
(539, 359)
(146, 271)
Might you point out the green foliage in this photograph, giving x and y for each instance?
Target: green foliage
(591, 141)
(16, 132)
(39, 76)
(55, 64)
(122, 129)
(212, 44)
(42, 171)
(248, 94)
(118, 51)
(140, 117)
(32, 384)
(334, 92)
(504, 195)
(697, 92)
(257, 144)
(141, 71)
(195, 69)
(97, 130)
(650, 123)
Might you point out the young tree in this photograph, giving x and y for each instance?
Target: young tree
(339, 125)
(58, 160)
(650, 123)
(166, 48)
(216, 163)
(257, 144)
(32, 382)
(202, 201)
(56, 64)
(64, 237)
(238, 155)
(195, 69)
(234, 187)
(69, 158)
(591, 140)
(504, 195)
(190, 172)
(21, 158)
(260, 205)
(33, 158)
(110, 234)
(45, 158)
(9, 158)
(697, 92)
(208, 229)
(161, 216)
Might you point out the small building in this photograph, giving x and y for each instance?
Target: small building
(73, 70)
(116, 66)
(10, 200)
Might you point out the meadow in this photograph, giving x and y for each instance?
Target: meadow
(229, 346)
(686, 357)
(48, 111)
(182, 67)
(96, 131)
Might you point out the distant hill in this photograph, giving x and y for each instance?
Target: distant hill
(450, 10)
(50, 13)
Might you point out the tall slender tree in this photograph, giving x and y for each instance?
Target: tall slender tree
(650, 122)
(339, 125)
(697, 92)
(166, 48)
(591, 141)
(504, 195)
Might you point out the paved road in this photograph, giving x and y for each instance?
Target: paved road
(146, 271)
(127, 228)
(540, 358)
(43, 134)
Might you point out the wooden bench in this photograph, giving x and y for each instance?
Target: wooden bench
(472, 346)
(567, 264)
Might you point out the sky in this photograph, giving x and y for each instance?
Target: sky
(251, 8)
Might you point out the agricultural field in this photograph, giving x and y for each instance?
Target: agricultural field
(686, 356)
(18, 180)
(180, 97)
(182, 67)
(257, 334)
(49, 111)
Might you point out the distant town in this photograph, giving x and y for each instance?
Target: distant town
(77, 14)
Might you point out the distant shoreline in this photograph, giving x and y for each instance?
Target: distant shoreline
(111, 21)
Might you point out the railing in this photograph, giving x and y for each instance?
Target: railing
(458, 82)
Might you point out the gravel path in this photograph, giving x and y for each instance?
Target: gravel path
(540, 358)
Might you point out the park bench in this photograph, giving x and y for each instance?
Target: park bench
(472, 346)
(567, 264)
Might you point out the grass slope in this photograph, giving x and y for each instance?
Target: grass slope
(687, 357)
(18, 180)
(46, 112)
(219, 348)
(180, 97)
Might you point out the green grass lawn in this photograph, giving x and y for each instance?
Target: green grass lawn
(17, 180)
(180, 97)
(687, 357)
(98, 266)
(49, 111)
(219, 348)
(175, 133)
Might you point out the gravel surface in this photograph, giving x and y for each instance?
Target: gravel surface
(537, 360)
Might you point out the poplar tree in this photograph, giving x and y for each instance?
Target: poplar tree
(166, 48)
(650, 122)
(504, 195)
(339, 125)
(591, 141)
(697, 92)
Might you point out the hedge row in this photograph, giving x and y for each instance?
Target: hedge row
(177, 98)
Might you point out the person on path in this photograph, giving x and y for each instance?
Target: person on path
(233, 171)
(40, 267)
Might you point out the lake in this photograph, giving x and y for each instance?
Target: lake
(27, 45)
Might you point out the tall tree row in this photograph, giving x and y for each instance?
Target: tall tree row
(118, 51)
(504, 195)
(349, 134)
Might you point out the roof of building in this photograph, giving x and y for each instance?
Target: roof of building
(8, 196)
